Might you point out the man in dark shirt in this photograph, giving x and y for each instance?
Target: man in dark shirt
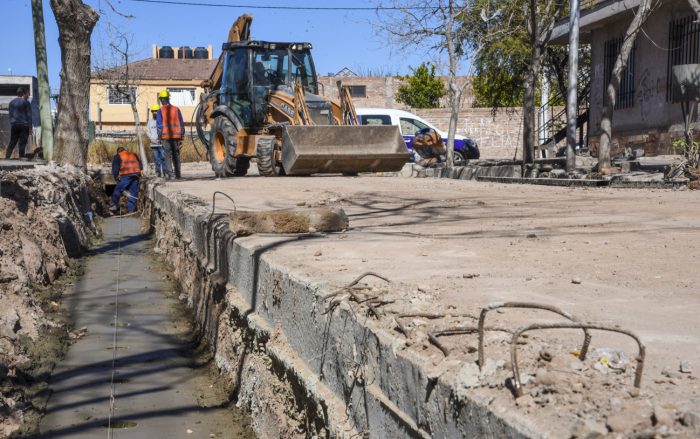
(20, 111)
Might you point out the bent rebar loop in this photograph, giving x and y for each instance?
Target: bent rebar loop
(530, 305)
(213, 202)
(572, 325)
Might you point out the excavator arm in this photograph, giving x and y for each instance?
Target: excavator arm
(240, 31)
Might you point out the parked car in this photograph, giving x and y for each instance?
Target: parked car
(409, 124)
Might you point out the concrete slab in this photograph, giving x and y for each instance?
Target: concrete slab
(158, 385)
(15, 165)
(450, 247)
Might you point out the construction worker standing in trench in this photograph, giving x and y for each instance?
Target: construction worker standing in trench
(126, 169)
(171, 129)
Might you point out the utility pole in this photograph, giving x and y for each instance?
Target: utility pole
(42, 73)
(544, 111)
(572, 92)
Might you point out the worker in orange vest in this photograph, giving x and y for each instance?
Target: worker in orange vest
(126, 169)
(171, 130)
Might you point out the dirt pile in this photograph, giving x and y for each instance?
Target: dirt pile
(45, 219)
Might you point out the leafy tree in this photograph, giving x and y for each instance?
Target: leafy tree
(422, 89)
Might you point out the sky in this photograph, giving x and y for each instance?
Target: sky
(339, 38)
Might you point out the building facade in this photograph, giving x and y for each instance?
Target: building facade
(646, 119)
(110, 110)
(8, 91)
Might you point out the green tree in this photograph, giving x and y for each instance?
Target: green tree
(422, 89)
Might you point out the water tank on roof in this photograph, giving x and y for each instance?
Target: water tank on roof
(201, 53)
(166, 52)
(184, 52)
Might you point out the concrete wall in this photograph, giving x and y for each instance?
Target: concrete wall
(120, 117)
(652, 122)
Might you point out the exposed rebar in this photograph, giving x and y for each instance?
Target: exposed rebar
(517, 386)
(530, 305)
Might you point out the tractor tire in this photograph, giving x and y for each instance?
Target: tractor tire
(267, 165)
(222, 146)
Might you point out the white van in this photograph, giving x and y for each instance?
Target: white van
(408, 123)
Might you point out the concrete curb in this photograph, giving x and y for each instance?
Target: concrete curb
(345, 376)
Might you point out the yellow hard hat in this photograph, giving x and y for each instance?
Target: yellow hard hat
(164, 94)
(155, 107)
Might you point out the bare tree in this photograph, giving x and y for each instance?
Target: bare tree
(540, 19)
(440, 26)
(75, 24)
(640, 17)
(120, 78)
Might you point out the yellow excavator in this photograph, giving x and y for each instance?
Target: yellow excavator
(262, 101)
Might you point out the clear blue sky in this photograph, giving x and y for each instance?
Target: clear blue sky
(340, 38)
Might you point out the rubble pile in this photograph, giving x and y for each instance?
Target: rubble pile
(45, 219)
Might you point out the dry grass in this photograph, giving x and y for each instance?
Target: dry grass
(102, 151)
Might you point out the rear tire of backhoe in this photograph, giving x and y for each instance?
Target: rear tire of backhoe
(267, 165)
(222, 146)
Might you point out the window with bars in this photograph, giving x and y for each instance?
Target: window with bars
(625, 93)
(358, 91)
(117, 97)
(683, 46)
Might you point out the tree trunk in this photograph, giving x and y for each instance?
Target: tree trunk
(75, 24)
(137, 130)
(611, 91)
(530, 104)
(42, 73)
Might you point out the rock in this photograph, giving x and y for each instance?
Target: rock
(468, 376)
(576, 281)
(685, 367)
(691, 419)
(525, 401)
(635, 415)
(318, 253)
(470, 275)
(671, 374)
(588, 429)
(423, 288)
(552, 378)
(662, 417)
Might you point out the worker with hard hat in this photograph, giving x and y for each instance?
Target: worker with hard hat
(156, 145)
(126, 169)
(171, 130)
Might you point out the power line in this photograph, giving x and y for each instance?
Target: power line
(296, 8)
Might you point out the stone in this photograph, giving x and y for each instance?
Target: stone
(468, 376)
(691, 419)
(670, 374)
(576, 281)
(635, 415)
(525, 401)
(685, 367)
(318, 253)
(588, 429)
(662, 416)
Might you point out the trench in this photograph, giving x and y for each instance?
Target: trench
(136, 368)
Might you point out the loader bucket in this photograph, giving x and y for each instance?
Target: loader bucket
(330, 149)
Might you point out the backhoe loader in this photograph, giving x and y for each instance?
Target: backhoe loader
(262, 101)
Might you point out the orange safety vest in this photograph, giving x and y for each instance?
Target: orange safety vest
(130, 163)
(172, 129)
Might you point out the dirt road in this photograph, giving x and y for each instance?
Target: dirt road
(620, 257)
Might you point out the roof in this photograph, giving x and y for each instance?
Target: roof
(163, 69)
(594, 14)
